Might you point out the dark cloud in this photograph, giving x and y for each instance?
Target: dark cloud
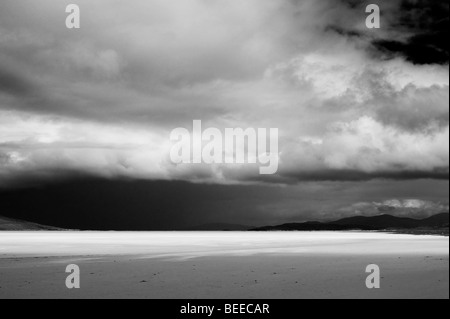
(355, 175)
(102, 100)
(418, 50)
(343, 32)
(12, 84)
(129, 205)
(426, 26)
(416, 30)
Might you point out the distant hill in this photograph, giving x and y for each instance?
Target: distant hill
(219, 227)
(382, 222)
(379, 222)
(9, 224)
(440, 220)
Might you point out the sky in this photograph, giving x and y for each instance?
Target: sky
(363, 114)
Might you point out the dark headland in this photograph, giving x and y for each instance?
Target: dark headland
(437, 224)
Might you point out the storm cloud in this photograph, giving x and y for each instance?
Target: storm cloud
(353, 105)
(99, 204)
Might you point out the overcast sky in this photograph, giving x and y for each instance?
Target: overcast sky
(357, 109)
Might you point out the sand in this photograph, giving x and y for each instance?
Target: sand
(228, 265)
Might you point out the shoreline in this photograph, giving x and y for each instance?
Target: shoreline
(438, 233)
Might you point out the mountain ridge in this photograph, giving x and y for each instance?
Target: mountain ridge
(381, 222)
(373, 223)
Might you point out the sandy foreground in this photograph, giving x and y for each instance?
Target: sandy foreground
(191, 265)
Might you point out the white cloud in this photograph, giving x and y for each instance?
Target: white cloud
(412, 208)
(30, 145)
(104, 100)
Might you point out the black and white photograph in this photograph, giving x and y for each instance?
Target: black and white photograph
(227, 157)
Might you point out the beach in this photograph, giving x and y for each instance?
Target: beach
(225, 265)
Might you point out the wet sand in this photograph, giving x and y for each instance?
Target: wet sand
(223, 265)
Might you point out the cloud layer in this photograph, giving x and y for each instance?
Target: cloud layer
(102, 100)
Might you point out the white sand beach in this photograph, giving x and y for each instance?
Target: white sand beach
(228, 265)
